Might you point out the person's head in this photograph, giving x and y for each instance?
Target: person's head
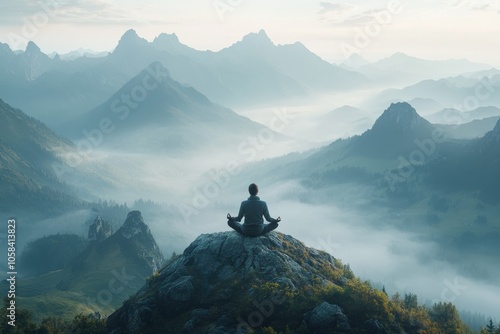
(253, 189)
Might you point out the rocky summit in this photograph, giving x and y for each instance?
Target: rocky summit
(136, 232)
(100, 230)
(227, 283)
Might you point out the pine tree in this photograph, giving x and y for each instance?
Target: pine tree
(490, 328)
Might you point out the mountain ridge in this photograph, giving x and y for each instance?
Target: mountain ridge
(230, 76)
(29, 150)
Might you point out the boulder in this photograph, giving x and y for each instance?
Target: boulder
(327, 318)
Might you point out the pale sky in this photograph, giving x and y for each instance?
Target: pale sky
(438, 29)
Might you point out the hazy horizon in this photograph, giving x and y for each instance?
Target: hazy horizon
(330, 29)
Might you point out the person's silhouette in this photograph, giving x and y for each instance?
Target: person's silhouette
(253, 209)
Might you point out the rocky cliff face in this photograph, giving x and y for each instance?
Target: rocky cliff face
(100, 230)
(222, 278)
(137, 235)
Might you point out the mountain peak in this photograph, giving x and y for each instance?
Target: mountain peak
(100, 229)
(166, 38)
(130, 34)
(356, 60)
(170, 43)
(402, 116)
(131, 40)
(136, 236)
(401, 55)
(5, 48)
(259, 38)
(134, 225)
(32, 48)
(394, 132)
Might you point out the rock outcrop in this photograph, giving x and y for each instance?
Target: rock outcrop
(136, 232)
(100, 230)
(327, 318)
(224, 282)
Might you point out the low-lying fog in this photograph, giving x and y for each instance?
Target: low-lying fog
(399, 260)
(322, 119)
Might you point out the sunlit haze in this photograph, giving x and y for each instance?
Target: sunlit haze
(434, 30)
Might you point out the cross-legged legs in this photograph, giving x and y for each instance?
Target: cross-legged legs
(251, 230)
(235, 225)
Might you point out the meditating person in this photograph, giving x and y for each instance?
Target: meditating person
(253, 209)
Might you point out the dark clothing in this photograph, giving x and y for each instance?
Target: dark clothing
(251, 230)
(253, 210)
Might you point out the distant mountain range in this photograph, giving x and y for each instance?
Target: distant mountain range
(54, 90)
(399, 162)
(400, 138)
(252, 71)
(401, 69)
(470, 130)
(453, 116)
(459, 92)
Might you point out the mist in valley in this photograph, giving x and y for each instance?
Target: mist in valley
(179, 133)
(195, 191)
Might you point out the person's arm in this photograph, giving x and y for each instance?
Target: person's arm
(241, 213)
(266, 214)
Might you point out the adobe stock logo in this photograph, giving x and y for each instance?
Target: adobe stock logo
(225, 6)
(32, 25)
(451, 291)
(264, 310)
(363, 37)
